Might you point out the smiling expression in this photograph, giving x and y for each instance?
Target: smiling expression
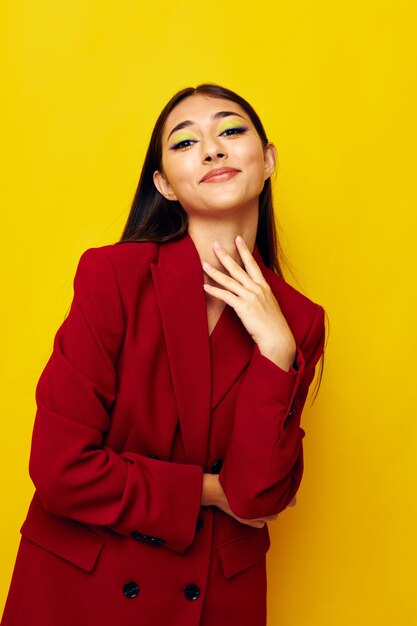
(204, 133)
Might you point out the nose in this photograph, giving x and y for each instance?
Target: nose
(213, 155)
(212, 150)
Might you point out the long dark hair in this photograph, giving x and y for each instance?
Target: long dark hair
(154, 218)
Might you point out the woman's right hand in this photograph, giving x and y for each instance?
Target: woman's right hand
(213, 494)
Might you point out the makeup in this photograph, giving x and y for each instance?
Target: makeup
(180, 139)
(229, 125)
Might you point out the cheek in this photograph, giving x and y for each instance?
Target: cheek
(251, 156)
(180, 173)
(255, 173)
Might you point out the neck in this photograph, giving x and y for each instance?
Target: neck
(205, 233)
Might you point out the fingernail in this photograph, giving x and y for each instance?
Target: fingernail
(217, 245)
(239, 239)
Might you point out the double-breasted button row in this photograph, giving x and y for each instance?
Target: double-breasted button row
(131, 590)
(147, 538)
(191, 591)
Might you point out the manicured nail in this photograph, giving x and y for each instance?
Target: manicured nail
(207, 266)
(239, 239)
(218, 245)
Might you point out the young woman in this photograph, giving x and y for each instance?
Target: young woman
(167, 430)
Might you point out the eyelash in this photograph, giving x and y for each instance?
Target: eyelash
(240, 129)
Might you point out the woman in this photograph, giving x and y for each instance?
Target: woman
(167, 430)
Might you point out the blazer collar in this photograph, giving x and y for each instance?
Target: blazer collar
(203, 368)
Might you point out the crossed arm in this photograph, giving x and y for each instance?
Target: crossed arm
(263, 467)
(78, 477)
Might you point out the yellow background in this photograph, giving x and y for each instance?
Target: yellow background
(335, 85)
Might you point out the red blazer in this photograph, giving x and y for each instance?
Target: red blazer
(135, 403)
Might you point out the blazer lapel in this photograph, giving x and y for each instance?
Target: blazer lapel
(231, 350)
(178, 280)
(203, 368)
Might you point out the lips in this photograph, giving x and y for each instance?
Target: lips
(217, 172)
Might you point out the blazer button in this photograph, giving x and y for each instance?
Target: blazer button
(131, 589)
(156, 540)
(216, 467)
(147, 538)
(290, 413)
(160, 541)
(200, 523)
(292, 410)
(136, 535)
(153, 456)
(191, 592)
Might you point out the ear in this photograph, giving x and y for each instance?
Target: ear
(270, 156)
(163, 186)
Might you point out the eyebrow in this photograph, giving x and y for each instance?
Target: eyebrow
(214, 116)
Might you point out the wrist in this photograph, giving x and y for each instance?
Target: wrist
(282, 357)
(210, 490)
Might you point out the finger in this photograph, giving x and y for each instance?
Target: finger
(254, 524)
(263, 520)
(222, 294)
(234, 269)
(226, 281)
(251, 265)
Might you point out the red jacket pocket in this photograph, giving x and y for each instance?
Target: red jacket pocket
(61, 536)
(244, 551)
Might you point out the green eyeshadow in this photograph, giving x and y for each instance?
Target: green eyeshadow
(182, 137)
(223, 127)
(229, 124)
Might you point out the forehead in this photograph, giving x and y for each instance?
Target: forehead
(198, 109)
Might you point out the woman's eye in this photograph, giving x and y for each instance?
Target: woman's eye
(238, 129)
(182, 144)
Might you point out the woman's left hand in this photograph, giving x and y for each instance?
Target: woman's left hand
(251, 297)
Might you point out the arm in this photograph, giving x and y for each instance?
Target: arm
(75, 475)
(263, 466)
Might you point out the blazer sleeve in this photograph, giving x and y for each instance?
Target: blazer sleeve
(263, 465)
(75, 474)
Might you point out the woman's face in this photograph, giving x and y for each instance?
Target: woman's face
(209, 143)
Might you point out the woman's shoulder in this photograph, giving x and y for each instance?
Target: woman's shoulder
(123, 251)
(292, 297)
(124, 256)
(125, 264)
(301, 311)
(299, 298)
